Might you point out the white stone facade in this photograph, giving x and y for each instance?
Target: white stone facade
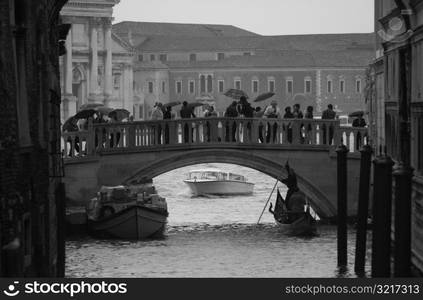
(98, 65)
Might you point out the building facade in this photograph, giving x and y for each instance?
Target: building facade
(397, 101)
(311, 70)
(31, 191)
(98, 65)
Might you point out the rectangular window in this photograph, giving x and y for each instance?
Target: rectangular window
(164, 87)
(289, 87)
(220, 56)
(271, 86)
(358, 86)
(221, 86)
(247, 53)
(191, 86)
(307, 86)
(150, 87)
(179, 87)
(140, 57)
(141, 112)
(255, 86)
(342, 86)
(163, 57)
(330, 90)
(152, 57)
(237, 84)
(193, 57)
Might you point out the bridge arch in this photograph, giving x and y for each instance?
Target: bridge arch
(244, 158)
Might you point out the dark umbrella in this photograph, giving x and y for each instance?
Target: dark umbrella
(171, 104)
(104, 110)
(356, 114)
(120, 114)
(264, 96)
(70, 125)
(90, 106)
(195, 104)
(85, 114)
(235, 94)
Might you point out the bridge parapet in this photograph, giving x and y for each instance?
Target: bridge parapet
(203, 132)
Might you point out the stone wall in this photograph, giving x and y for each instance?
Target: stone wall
(30, 159)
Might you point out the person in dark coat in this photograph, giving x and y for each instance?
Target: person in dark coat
(231, 112)
(187, 113)
(298, 114)
(167, 115)
(328, 114)
(309, 113)
(357, 123)
(288, 128)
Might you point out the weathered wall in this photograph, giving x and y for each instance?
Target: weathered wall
(29, 134)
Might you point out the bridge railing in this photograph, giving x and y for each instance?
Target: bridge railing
(115, 137)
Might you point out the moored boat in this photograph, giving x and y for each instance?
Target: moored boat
(217, 182)
(135, 212)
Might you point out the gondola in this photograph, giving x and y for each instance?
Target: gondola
(293, 223)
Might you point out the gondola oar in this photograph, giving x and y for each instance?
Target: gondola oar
(276, 183)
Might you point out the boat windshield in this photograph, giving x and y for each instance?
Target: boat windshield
(209, 175)
(236, 177)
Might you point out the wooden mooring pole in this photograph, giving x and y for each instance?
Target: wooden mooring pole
(382, 210)
(342, 152)
(402, 244)
(362, 210)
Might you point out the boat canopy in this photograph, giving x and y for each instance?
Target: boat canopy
(214, 174)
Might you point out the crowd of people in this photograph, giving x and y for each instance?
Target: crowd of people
(267, 131)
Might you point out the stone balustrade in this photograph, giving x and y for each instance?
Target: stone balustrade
(288, 133)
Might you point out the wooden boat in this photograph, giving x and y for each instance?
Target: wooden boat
(134, 223)
(127, 212)
(217, 182)
(299, 223)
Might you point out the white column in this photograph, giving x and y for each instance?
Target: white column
(68, 65)
(69, 99)
(108, 59)
(94, 61)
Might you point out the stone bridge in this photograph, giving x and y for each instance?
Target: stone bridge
(121, 153)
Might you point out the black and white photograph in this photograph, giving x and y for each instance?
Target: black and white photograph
(200, 139)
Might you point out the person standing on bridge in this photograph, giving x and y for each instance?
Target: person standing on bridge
(187, 113)
(328, 114)
(231, 112)
(272, 112)
(156, 115)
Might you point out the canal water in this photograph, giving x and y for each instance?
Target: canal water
(212, 237)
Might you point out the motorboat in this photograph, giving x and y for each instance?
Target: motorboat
(127, 212)
(217, 182)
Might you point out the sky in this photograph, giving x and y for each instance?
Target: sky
(266, 17)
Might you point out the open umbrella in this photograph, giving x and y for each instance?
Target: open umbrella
(90, 106)
(85, 114)
(235, 94)
(120, 114)
(104, 110)
(195, 104)
(356, 114)
(171, 104)
(70, 125)
(264, 96)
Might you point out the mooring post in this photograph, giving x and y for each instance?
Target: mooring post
(382, 210)
(342, 205)
(362, 210)
(402, 245)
